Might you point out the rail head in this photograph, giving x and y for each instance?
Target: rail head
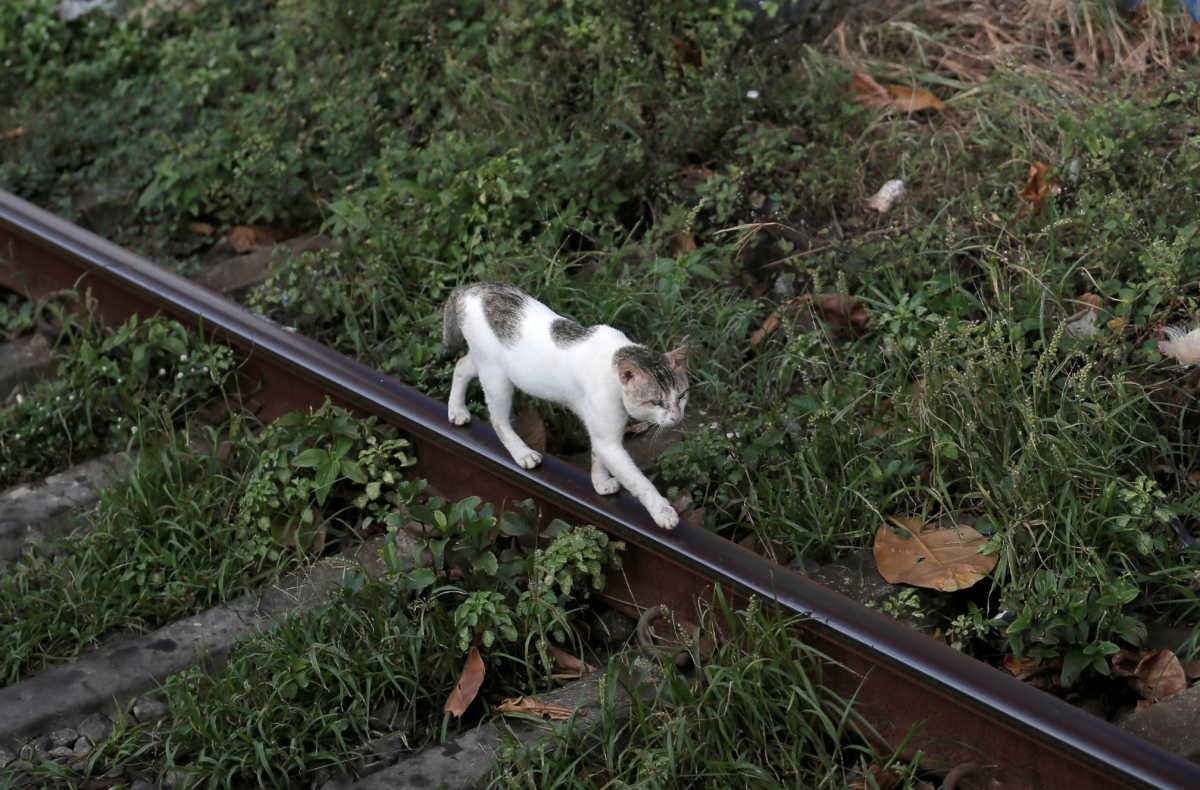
(26, 230)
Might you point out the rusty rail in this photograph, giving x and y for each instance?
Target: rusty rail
(963, 710)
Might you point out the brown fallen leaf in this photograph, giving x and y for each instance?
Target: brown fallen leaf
(1039, 186)
(247, 238)
(529, 426)
(940, 559)
(868, 92)
(685, 54)
(1155, 674)
(569, 667)
(528, 705)
(467, 685)
(843, 315)
(1021, 668)
(17, 132)
(201, 228)
(681, 244)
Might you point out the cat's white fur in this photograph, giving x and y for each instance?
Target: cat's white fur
(581, 376)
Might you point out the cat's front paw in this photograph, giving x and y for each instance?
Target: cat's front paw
(664, 515)
(606, 487)
(528, 460)
(459, 415)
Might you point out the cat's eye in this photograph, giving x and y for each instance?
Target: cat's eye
(658, 402)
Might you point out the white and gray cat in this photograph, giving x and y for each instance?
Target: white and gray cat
(596, 371)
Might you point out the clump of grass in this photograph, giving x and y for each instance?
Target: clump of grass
(160, 544)
(373, 662)
(109, 382)
(755, 713)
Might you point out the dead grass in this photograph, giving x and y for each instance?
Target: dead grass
(1080, 43)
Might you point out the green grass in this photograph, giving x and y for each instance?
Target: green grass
(158, 546)
(754, 714)
(568, 148)
(109, 384)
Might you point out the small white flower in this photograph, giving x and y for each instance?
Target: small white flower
(162, 371)
(1184, 347)
(183, 357)
(751, 94)
(133, 429)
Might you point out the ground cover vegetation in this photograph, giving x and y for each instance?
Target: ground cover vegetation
(985, 351)
(108, 385)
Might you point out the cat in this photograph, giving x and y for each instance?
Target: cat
(513, 340)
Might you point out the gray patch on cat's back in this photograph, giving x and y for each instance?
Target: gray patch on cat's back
(565, 332)
(653, 362)
(503, 306)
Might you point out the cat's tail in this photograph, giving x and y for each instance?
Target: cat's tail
(452, 336)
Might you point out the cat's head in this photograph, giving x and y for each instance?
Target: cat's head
(654, 386)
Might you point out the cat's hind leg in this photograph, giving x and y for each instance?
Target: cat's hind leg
(456, 409)
(602, 479)
(498, 392)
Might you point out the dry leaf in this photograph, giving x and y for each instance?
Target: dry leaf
(883, 200)
(247, 238)
(1184, 347)
(20, 130)
(529, 426)
(685, 54)
(567, 666)
(870, 93)
(1021, 668)
(681, 244)
(467, 686)
(528, 705)
(1037, 188)
(842, 315)
(201, 228)
(1156, 675)
(906, 99)
(941, 559)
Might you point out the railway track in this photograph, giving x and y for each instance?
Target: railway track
(962, 710)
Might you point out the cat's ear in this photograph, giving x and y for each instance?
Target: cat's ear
(678, 357)
(629, 372)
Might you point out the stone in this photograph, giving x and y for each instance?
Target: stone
(142, 784)
(240, 272)
(1170, 725)
(6, 757)
(61, 751)
(82, 746)
(149, 710)
(95, 727)
(64, 737)
(121, 672)
(24, 361)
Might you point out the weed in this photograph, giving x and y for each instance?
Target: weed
(108, 385)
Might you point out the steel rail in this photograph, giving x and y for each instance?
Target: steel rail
(962, 709)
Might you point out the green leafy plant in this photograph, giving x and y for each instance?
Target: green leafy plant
(324, 467)
(503, 591)
(110, 385)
